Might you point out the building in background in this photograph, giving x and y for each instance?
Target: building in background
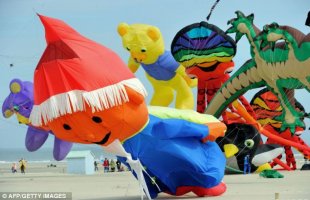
(80, 162)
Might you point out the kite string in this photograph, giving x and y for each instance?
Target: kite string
(212, 8)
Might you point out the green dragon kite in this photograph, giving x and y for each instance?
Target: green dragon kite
(281, 67)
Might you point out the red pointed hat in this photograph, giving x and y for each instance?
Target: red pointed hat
(74, 70)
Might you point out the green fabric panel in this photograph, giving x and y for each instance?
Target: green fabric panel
(270, 173)
(189, 115)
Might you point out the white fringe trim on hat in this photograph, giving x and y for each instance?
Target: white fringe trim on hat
(73, 101)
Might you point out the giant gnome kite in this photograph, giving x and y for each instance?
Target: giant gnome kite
(84, 93)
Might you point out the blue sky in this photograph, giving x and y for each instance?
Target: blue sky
(22, 39)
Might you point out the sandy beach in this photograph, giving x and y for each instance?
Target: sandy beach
(123, 186)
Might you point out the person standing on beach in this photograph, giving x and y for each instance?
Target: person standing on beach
(96, 166)
(112, 165)
(106, 165)
(22, 164)
(118, 165)
(247, 165)
(14, 170)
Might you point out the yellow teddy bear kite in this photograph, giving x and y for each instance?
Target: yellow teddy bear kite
(146, 46)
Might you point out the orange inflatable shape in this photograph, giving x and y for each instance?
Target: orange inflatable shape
(81, 87)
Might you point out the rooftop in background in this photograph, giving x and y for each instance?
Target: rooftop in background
(79, 154)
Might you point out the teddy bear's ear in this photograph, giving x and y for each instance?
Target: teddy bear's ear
(16, 86)
(122, 29)
(7, 110)
(153, 33)
(7, 113)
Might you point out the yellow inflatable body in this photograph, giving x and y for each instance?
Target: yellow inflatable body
(146, 46)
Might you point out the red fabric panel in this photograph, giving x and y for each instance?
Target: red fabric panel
(73, 62)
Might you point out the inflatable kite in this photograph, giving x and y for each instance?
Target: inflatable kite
(20, 103)
(207, 52)
(241, 140)
(307, 23)
(267, 109)
(94, 98)
(277, 68)
(270, 173)
(146, 47)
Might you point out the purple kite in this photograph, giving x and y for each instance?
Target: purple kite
(20, 103)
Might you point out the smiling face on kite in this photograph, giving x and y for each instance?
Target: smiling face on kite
(103, 127)
(83, 91)
(205, 50)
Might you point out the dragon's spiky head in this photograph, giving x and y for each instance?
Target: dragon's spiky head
(262, 36)
(269, 36)
(239, 25)
(239, 14)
